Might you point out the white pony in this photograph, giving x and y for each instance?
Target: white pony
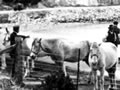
(5, 34)
(103, 57)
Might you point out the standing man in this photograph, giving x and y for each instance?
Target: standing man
(116, 30)
(13, 36)
(3, 45)
(111, 35)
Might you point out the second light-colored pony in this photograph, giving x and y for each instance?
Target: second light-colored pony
(103, 57)
(4, 44)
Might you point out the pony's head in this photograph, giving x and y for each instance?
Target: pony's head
(94, 54)
(36, 47)
(6, 40)
(6, 35)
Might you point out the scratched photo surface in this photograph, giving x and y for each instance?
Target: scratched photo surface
(72, 20)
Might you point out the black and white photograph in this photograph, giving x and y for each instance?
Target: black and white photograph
(59, 44)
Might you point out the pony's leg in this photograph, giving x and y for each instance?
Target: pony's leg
(32, 64)
(102, 79)
(27, 66)
(91, 78)
(95, 80)
(3, 61)
(62, 67)
(112, 77)
(112, 81)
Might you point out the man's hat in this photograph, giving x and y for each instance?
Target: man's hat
(110, 26)
(115, 22)
(16, 28)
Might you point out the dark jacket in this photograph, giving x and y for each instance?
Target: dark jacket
(12, 38)
(13, 35)
(12, 41)
(110, 37)
(116, 31)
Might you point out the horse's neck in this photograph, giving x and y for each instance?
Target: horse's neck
(84, 49)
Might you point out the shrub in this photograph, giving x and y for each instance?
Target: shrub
(59, 82)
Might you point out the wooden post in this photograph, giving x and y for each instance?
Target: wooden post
(1, 1)
(18, 67)
(77, 86)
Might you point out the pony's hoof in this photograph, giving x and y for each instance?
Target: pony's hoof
(90, 82)
(113, 88)
(96, 89)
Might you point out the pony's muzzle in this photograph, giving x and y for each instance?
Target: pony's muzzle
(94, 64)
(32, 56)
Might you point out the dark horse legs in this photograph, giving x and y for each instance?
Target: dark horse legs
(111, 73)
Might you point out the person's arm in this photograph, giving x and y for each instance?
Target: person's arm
(23, 36)
(116, 30)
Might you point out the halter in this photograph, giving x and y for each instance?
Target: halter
(94, 55)
(40, 47)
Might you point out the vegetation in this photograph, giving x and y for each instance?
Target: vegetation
(53, 3)
(24, 2)
(76, 14)
(59, 82)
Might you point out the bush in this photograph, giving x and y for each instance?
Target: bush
(24, 2)
(59, 82)
(18, 6)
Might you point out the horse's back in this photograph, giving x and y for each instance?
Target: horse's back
(72, 49)
(107, 46)
(110, 53)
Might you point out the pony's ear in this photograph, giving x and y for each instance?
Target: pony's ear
(7, 31)
(89, 43)
(33, 41)
(40, 39)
